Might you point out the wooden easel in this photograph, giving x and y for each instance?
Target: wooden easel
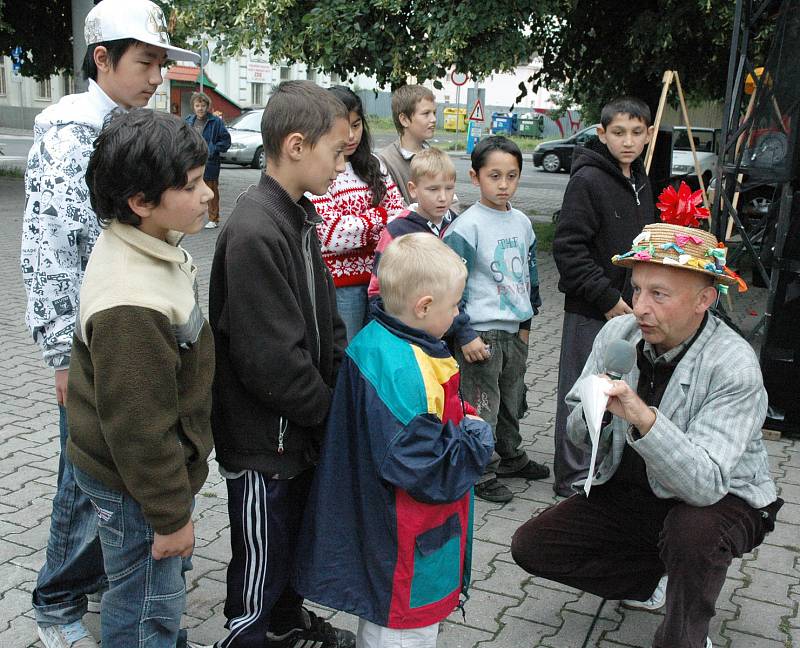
(667, 79)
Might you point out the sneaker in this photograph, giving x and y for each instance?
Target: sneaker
(708, 643)
(192, 644)
(211, 225)
(530, 470)
(70, 635)
(95, 599)
(656, 600)
(493, 491)
(317, 632)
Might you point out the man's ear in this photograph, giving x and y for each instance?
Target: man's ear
(405, 120)
(294, 146)
(706, 299)
(140, 206)
(422, 305)
(601, 134)
(650, 131)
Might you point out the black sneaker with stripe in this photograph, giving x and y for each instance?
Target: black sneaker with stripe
(314, 633)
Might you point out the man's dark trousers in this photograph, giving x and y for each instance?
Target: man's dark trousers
(618, 542)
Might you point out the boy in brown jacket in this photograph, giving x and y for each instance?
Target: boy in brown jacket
(139, 394)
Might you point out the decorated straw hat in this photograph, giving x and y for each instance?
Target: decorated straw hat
(674, 243)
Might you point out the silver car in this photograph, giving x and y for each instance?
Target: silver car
(246, 146)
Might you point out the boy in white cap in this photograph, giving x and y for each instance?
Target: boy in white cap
(127, 46)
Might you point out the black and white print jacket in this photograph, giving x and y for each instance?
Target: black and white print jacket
(59, 226)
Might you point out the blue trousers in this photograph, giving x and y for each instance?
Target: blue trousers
(146, 597)
(73, 567)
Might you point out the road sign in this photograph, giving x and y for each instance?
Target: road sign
(458, 78)
(477, 112)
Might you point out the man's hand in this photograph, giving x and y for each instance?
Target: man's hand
(475, 351)
(179, 543)
(625, 403)
(524, 335)
(620, 308)
(61, 385)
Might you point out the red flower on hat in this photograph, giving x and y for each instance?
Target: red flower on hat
(681, 207)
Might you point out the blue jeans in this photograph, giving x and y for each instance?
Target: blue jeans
(351, 302)
(73, 567)
(146, 597)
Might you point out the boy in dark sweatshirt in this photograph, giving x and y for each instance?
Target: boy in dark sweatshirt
(606, 204)
(279, 343)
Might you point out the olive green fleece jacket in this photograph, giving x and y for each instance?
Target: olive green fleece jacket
(139, 392)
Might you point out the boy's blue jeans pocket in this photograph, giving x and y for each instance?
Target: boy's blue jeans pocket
(146, 597)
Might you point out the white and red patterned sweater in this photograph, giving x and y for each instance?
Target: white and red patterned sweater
(351, 226)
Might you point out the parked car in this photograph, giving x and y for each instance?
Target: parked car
(706, 144)
(246, 147)
(555, 155)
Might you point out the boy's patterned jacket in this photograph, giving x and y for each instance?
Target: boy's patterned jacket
(387, 532)
(59, 227)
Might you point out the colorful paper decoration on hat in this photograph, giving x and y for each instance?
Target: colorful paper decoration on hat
(681, 207)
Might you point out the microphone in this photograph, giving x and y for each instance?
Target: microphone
(620, 358)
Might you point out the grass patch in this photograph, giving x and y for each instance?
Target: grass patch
(380, 124)
(544, 236)
(11, 172)
(526, 144)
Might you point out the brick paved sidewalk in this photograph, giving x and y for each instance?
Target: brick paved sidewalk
(508, 608)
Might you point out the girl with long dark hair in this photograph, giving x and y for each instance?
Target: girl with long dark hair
(354, 212)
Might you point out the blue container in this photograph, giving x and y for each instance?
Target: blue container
(504, 123)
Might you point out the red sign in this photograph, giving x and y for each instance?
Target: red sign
(458, 78)
(477, 112)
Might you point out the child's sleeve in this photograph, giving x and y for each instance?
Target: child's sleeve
(578, 226)
(344, 229)
(374, 289)
(459, 242)
(134, 356)
(437, 462)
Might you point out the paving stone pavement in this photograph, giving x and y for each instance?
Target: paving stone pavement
(508, 608)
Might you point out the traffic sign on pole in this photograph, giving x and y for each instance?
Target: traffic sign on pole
(477, 112)
(458, 78)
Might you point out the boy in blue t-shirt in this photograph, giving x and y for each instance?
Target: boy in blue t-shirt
(501, 297)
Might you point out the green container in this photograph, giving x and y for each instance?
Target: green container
(531, 126)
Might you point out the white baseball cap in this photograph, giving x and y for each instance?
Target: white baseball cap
(142, 20)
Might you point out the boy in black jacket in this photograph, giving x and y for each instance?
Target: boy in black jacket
(608, 201)
(279, 342)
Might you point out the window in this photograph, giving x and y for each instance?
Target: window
(257, 94)
(311, 74)
(2, 76)
(68, 82)
(43, 90)
(284, 73)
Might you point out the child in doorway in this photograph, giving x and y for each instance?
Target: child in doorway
(139, 390)
(387, 533)
(501, 297)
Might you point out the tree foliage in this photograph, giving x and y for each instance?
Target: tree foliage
(594, 50)
(44, 31)
(591, 50)
(390, 39)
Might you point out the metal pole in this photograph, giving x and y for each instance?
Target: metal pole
(80, 9)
